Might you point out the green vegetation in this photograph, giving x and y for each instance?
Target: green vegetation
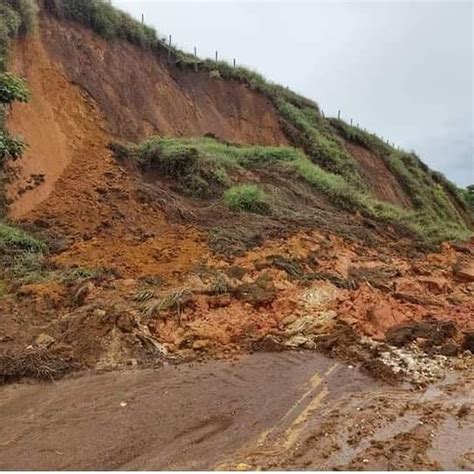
(468, 194)
(23, 260)
(16, 17)
(430, 191)
(21, 255)
(248, 198)
(200, 167)
(217, 166)
(360, 137)
(13, 88)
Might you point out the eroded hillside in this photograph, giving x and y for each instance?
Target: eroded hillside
(184, 209)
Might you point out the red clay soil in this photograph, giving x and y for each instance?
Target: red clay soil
(89, 198)
(141, 95)
(381, 182)
(135, 93)
(289, 291)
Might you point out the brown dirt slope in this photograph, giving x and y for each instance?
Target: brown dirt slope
(136, 94)
(375, 173)
(140, 95)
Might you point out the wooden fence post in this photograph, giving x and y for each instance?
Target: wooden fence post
(169, 48)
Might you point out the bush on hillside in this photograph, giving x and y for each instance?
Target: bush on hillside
(10, 147)
(13, 88)
(247, 198)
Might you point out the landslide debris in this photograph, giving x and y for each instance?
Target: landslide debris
(211, 216)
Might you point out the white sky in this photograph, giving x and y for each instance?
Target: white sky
(401, 69)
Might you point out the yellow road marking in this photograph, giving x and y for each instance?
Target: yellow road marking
(293, 432)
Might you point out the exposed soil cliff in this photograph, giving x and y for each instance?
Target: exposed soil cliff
(133, 94)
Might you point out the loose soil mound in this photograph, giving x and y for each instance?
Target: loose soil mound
(181, 277)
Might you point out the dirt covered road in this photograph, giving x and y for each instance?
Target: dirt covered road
(265, 411)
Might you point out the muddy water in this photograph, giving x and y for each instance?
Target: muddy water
(264, 410)
(188, 417)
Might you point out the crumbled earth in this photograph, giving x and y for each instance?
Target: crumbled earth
(174, 278)
(309, 291)
(365, 334)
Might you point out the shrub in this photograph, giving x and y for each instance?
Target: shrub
(10, 147)
(186, 162)
(27, 10)
(13, 88)
(248, 198)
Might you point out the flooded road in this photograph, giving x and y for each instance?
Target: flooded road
(267, 410)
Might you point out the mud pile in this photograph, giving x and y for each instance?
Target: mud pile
(180, 278)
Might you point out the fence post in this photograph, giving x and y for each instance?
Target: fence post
(169, 49)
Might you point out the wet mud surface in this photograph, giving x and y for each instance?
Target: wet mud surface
(295, 410)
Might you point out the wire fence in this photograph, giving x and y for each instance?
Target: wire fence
(167, 42)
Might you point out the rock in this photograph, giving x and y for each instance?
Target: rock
(289, 320)
(220, 301)
(99, 313)
(201, 344)
(125, 323)
(468, 344)
(464, 272)
(436, 285)
(236, 272)
(259, 293)
(44, 340)
(432, 333)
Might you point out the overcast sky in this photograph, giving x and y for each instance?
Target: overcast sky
(401, 69)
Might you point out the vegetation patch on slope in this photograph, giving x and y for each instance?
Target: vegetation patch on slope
(430, 191)
(207, 168)
(247, 197)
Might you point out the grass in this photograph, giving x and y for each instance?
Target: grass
(200, 167)
(23, 260)
(216, 165)
(247, 198)
(430, 191)
(21, 255)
